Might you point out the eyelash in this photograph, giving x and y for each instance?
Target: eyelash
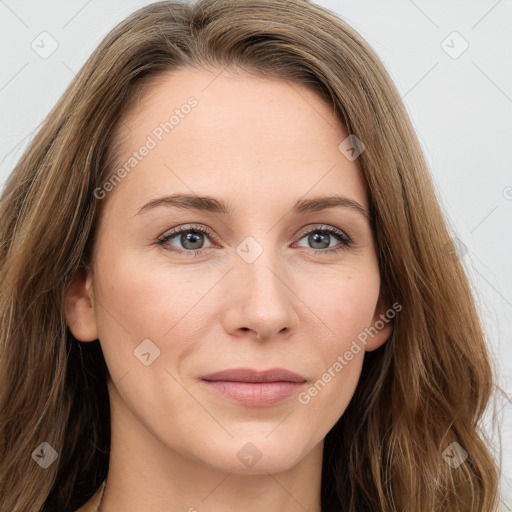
(346, 242)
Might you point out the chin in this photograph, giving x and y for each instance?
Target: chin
(256, 454)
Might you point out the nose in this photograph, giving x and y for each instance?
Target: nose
(260, 300)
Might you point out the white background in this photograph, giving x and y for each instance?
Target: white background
(461, 108)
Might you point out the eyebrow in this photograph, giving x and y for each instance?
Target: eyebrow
(213, 205)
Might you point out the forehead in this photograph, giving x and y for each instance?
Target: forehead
(217, 133)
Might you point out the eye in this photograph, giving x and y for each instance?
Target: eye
(191, 239)
(321, 238)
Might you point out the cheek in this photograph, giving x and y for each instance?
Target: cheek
(344, 300)
(345, 303)
(139, 300)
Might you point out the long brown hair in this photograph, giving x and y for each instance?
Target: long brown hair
(423, 390)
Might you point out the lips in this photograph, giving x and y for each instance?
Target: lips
(254, 388)
(250, 375)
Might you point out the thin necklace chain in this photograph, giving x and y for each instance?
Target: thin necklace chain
(98, 509)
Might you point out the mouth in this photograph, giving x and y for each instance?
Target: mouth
(253, 388)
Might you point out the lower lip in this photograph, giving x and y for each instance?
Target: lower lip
(254, 394)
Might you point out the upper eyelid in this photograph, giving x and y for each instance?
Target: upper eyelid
(180, 229)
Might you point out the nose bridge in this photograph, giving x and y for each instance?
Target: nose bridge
(261, 298)
(255, 259)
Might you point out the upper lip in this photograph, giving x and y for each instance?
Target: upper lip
(251, 375)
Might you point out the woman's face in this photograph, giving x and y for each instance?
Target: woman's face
(263, 287)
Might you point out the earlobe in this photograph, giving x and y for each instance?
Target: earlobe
(381, 328)
(79, 307)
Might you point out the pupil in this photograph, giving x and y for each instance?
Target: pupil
(315, 239)
(189, 237)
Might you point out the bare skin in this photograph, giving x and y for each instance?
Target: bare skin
(259, 145)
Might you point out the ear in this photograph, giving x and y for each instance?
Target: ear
(79, 308)
(382, 325)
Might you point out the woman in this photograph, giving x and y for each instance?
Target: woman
(228, 284)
